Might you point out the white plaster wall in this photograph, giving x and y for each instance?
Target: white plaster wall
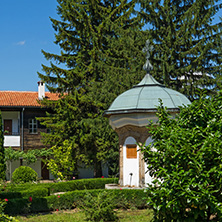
(51, 177)
(148, 178)
(12, 165)
(130, 165)
(10, 140)
(35, 166)
(134, 119)
(87, 172)
(15, 117)
(83, 172)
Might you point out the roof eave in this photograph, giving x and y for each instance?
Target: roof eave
(24, 106)
(108, 113)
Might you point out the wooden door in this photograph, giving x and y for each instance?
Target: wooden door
(45, 171)
(7, 126)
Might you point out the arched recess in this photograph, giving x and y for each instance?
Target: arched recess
(148, 178)
(130, 162)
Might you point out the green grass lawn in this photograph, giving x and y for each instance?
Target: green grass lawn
(74, 216)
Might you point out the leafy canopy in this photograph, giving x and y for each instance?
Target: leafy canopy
(187, 163)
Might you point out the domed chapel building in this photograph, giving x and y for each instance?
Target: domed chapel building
(130, 114)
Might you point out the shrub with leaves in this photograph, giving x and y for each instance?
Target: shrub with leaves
(4, 217)
(124, 199)
(62, 165)
(24, 174)
(99, 207)
(187, 163)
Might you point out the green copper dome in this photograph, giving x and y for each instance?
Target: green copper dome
(145, 96)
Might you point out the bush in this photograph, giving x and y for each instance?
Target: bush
(81, 184)
(34, 192)
(120, 199)
(99, 207)
(4, 217)
(187, 163)
(24, 174)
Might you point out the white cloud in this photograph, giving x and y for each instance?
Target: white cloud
(21, 43)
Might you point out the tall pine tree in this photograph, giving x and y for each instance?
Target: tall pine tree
(2, 152)
(101, 44)
(186, 53)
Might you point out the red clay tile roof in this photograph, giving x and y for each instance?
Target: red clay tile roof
(18, 98)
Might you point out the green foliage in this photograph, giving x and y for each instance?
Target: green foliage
(2, 206)
(2, 152)
(100, 207)
(62, 165)
(75, 199)
(187, 43)
(31, 191)
(100, 45)
(4, 217)
(29, 156)
(11, 154)
(24, 174)
(98, 183)
(187, 163)
(125, 216)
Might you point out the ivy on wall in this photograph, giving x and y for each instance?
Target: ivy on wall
(29, 156)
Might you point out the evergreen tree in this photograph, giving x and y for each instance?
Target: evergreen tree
(2, 152)
(186, 53)
(100, 41)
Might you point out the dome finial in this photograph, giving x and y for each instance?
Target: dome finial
(147, 49)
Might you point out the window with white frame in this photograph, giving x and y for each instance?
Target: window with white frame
(32, 126)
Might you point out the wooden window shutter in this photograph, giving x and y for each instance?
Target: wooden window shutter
(131, 151)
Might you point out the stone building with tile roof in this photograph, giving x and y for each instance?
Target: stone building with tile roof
(23, 132)
(23, 99)
(21, 129)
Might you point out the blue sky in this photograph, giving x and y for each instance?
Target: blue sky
(25, 30)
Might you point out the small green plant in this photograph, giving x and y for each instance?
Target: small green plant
(99, 207)
(62, 164)
(27, 207)
(24, 174)
(4, 217)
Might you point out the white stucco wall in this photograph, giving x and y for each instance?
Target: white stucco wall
(83, 172)
(10, 140)
(15, 117)
(35, 166)
(130, 165)
(87, 172)
(134, 119)
(12, 165)
(148, 178)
